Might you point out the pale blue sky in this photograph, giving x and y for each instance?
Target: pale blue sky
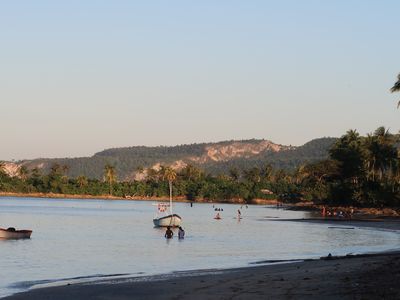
(77, 77)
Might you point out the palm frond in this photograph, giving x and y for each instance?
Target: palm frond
(396, 86)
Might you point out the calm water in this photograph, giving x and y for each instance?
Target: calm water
(89, 238)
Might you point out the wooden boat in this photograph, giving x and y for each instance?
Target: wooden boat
(172, 220)
(11, 233)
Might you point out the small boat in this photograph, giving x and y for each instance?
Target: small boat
(169, 218)
(172, 220)
(12, 233)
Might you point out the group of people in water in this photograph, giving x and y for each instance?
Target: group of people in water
(169, 234)
(337, 213)
(218, 215)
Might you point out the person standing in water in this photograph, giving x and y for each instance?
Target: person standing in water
(239, 214)
(168, 234)
(181, 233)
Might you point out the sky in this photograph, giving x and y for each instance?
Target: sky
(77, 77)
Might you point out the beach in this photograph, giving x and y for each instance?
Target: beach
(366, 276)
(363, 277)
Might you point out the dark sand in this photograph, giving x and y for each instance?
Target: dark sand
(375, 276)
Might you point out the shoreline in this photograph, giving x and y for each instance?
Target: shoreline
(133, 198)
(359, 276)
(363, 213)
(365, 276)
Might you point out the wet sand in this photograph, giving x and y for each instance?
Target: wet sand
(373, 276)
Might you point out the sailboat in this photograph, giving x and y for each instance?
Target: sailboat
(169, 219)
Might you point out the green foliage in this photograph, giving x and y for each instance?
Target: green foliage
(130, 160)
(359, 171)
(362, 171)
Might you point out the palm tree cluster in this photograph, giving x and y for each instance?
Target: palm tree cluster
(360, 170)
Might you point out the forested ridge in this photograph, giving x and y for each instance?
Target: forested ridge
(128, 160)
(354, 170)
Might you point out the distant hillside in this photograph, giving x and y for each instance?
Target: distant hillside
(212, 157)
(288, 159)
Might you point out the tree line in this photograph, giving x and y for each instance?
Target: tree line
(360, 171)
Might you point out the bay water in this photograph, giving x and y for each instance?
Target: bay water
(76, 240)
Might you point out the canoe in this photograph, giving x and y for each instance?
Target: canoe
(11, 233)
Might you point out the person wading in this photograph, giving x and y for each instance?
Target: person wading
(181, 233)
(168, 233)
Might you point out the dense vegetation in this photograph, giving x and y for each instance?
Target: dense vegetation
(360, 171)
(129, 160)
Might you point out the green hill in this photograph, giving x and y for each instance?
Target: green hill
(212, 157)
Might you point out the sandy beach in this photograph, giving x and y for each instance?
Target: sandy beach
(368, 276)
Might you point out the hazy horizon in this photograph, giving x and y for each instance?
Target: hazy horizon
(80, 77)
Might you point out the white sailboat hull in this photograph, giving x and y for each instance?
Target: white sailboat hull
(171, 220)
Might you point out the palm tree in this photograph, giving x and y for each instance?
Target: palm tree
(234, 174)
(35, 173)
(152, 174)
(109, 175)
(191, 172)
(82, 181)
(55, 169)
(301, 173)
(396, 173)
(169, 174)
(381, 153)
(267, 172)
(348, 152)
(252, 175)
(352, 135)
(396, 88)
(372, 148)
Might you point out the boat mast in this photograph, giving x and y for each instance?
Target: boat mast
(170, 196)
